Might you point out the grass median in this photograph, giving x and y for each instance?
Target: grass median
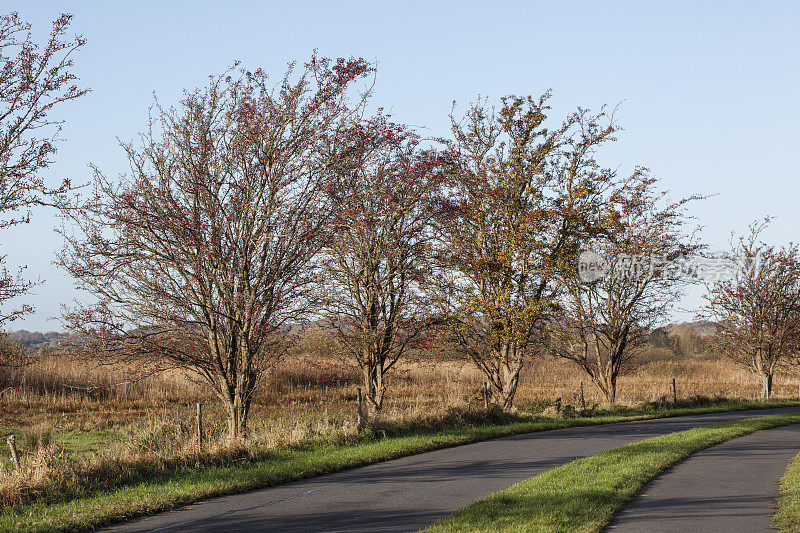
(585, 494)
(100, 501)
(787, 515)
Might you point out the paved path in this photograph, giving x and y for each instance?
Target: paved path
(410, 493)
(728, 488)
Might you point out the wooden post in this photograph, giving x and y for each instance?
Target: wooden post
(583, 399)
(486, 395)
(14, 455)
(360, 410)
(674, 393)
(199, 427)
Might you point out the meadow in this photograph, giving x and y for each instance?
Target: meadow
(80, 425)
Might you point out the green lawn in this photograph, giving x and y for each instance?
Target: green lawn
(96, 503)
(787, 516)
(585, 494)
(73, 441)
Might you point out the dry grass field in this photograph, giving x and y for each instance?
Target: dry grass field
(78, 420)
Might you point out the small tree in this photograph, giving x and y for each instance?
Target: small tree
(603, 317)
(521, 202)
(378, 263)
(33, 81)
(200, 257)
(757, 312)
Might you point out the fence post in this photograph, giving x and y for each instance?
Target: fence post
(674, 393)
(199, 427)
(360, 410)
(486, 395)
(14, 455)
(583, 399)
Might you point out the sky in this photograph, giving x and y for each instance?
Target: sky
(707, 91)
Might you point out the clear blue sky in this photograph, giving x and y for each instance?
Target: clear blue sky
(709, 89)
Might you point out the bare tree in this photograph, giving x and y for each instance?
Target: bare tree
(757, 311)
(604, 315)
(385, 188)
(523, 200)
(200, 256)
(34, 80)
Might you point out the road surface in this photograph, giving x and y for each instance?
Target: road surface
(412, 492)
(730, 487)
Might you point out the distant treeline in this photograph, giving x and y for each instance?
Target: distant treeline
(36, 341)
(685, 339)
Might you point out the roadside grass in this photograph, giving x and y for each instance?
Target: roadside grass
(104, 500)
(787, 514)
(29, 440)
(585, 494)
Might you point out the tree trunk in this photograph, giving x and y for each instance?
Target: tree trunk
(506, 380)
(607, 383)
(767, 387)
(374, 388)
(509, 380)
(612, 389)
(236, 411)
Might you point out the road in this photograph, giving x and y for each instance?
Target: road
(730, 487)
(410, 493)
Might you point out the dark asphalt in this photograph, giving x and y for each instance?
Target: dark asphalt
(410, 493)
(728, 488)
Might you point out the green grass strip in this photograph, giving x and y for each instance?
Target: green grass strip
(585, 494)
(787, 515)
(87, 509)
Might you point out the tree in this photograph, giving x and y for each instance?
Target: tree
(33, 81)
(200, 256)
(385, 186)
(757, 311)
(604, 317)
(522, 201)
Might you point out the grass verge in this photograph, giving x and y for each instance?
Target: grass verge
(585, 494)
(97, 504)
(787, 515)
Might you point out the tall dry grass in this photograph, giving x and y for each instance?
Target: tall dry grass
(321, 383)
(83, 424)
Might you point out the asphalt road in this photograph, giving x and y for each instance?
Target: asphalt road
(410, 493)
(728, 488)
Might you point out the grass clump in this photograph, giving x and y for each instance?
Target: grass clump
(585, 494)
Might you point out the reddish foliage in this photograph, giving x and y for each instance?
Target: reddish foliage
(757, 312)
(33, 81)
(385, 186)
(201, 256)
